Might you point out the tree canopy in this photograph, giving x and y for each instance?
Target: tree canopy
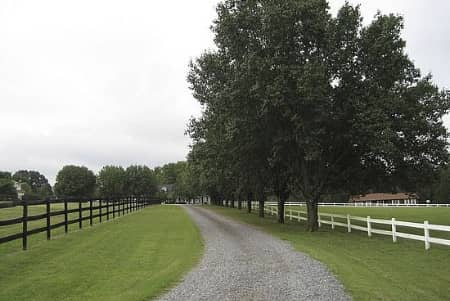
(37, 186)
(112, 181)
(297, 100)
(7, 189)
(140, 181)
(75, 181)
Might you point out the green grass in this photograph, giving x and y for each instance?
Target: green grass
(370, 268)
(134, 257)
(434, 215)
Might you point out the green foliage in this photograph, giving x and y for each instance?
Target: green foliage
(112, 181)
(140, 180)
(296, 100)
(75, 181)
(168, 173)
(183, 178)
(38, 185)
(7, 189)
(5, 175)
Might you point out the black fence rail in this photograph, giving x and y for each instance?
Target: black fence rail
(106, 209)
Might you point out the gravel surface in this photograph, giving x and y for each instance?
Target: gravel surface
(243, 263)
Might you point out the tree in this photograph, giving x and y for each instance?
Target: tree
(140, 181)
(5, 175)
(111, 181)
(324, 104)
(7, 188)
(75, 181)
(38, 183)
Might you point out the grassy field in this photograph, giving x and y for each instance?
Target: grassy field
(370, 268)
(134, 257)
(434, 215)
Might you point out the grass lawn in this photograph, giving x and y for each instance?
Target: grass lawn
(134, 257)
(434, 215)
(370, 268)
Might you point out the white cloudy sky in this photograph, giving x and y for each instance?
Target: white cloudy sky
(97, 82)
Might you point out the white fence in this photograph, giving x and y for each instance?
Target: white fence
(365, 204)
(366, 224)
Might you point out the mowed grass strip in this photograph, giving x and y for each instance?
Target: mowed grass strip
(135, 257)
(370, 268)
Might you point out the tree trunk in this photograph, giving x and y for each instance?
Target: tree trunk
(313, 223)
(283, 196)
(261, 209)
(249, 202)
(239, 204)
(232, 203)
(281, 210)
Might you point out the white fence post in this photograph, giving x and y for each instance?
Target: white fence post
(318, 220)
(394, 230)
(369, 227)
(349, 225)
(290, 214)
(426, 235)
(332, 222)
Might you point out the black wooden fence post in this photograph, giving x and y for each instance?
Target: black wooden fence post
(100, 211)
(80, 215)
(66, 225)
(90, 212)
(123, 206)
(114, 209)
(107, 209)
(47, 203)
(24, 226)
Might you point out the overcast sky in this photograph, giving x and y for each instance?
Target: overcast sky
(98, 82)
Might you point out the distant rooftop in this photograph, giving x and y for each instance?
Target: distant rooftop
(383, 197)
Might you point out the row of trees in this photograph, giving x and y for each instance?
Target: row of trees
(33, 185)
(181, 178)
(112, 181)
(297, 101)
(79, 181)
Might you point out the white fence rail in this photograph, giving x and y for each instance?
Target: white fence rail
(364, 204)
(366, 224)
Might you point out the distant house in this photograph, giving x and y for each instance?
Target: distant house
(20, 192)
(385, 198)
(167, 188)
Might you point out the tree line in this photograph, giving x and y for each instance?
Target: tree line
(79, 181)
(297, 101)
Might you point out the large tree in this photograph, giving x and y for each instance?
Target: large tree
(324, 103)
(38, 183)
(75, 181)
(111, 181)
(140, 181)
(7, 188)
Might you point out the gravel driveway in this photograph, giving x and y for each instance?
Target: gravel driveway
(243, 263)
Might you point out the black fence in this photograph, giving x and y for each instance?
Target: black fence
(106, 209)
